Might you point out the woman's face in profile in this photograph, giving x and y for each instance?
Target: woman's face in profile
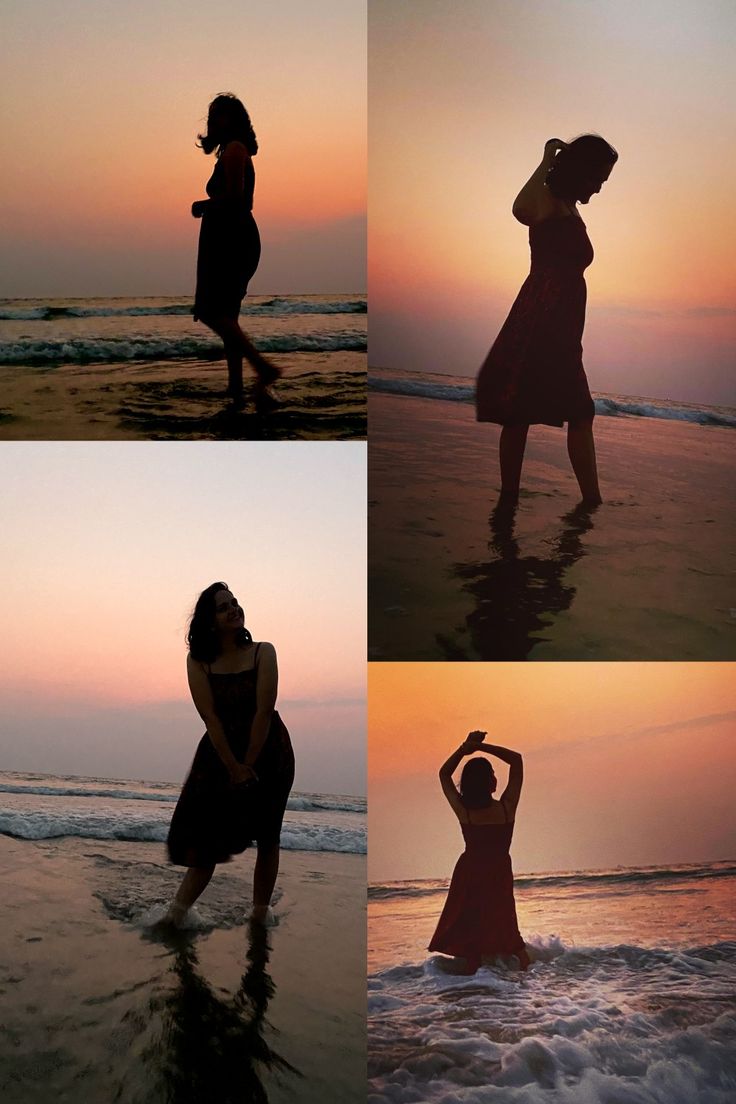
(228, 614)
(595, 183)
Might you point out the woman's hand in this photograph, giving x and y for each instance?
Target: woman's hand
(198, 207)
(241, 773)
(476, 737)
(552, 145)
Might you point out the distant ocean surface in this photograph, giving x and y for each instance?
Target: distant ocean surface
(40, 806)
(428, 385)
(49, 332)
(141, 367)
(632, 1001)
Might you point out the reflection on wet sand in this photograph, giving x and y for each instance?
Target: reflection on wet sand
(206, 1045)
(515, 595)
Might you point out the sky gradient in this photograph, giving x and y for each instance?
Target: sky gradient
(105, 549)
(625, 763)
(103, 102)
(463, 96)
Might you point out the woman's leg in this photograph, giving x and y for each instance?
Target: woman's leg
(193, 884)
(581, 450)
(511, 456)
(237, 346)
(264, 878)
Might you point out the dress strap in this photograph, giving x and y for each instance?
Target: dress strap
(255, 657)
(505, 814)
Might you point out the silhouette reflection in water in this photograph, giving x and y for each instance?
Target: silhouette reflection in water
(515, 594)
(209, 1046)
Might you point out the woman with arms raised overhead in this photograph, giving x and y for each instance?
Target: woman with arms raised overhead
(478, 922)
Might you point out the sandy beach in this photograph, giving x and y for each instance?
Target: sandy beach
(182, 400)
(649, 575)
(97, 1008)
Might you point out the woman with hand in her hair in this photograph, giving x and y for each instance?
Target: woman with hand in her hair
(478, 922)
(534, 372)
(229, 243)
(243, 768)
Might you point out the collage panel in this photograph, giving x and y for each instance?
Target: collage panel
(183, 221)
(525, 157)
(551, 905)
(182, 772)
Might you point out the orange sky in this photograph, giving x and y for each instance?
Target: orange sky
(625, 763)
(105, 101)
(462, 99)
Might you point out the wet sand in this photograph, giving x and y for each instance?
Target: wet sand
(321, 396)
(650, 575)
(97, 1008)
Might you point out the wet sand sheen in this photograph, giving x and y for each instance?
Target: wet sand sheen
(96, 1010)
(650, 575)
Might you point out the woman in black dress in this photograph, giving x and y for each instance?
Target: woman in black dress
(229, 243)
(243, 768)
(534, 372)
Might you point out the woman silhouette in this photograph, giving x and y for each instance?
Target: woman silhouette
(229, 243)
(478, 921)
(534, 372)
(243, 768)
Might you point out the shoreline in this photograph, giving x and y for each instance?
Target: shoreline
(96, 1007)
(647, 576)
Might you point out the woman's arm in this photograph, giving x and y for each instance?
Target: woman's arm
(266, 690)
(233, 160)
(447, 770)
(512, 793)
(534, 200)
(201, 691)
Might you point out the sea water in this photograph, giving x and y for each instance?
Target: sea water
(632, 999)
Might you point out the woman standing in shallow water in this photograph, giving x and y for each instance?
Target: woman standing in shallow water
(229, 243)
(478, 922)
(243, 769)
(534, 372)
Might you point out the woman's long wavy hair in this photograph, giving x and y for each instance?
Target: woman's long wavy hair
(477, 783)
(580, 167)
(202, 635)
(238, 126)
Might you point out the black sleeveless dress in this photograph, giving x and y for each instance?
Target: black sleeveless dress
(534, 372)
(213, 819)
(229, 248)
(479, 916)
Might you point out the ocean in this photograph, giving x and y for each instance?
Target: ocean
(632, 999)
(142, 366)
(461, 389)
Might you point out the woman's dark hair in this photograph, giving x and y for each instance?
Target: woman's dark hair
(475, 784)
(202, 636)
(580, 167)
(238, 126)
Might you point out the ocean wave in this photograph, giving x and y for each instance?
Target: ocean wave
(296, 802)
(270, 308)
(606, 406)
(33, 353)
(587, 1025)
(89, 825)
(583, 878)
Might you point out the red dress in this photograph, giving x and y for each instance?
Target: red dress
(479, 917)
(534, 372)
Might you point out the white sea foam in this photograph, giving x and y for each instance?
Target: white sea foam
(619, 1024)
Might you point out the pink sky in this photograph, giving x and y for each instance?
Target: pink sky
(105, 549)
(462, 99)
(103, 105)
(625, 763)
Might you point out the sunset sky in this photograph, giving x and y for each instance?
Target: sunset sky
(463, 96)
(105, 548)
(625, 763)
(102, 105)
